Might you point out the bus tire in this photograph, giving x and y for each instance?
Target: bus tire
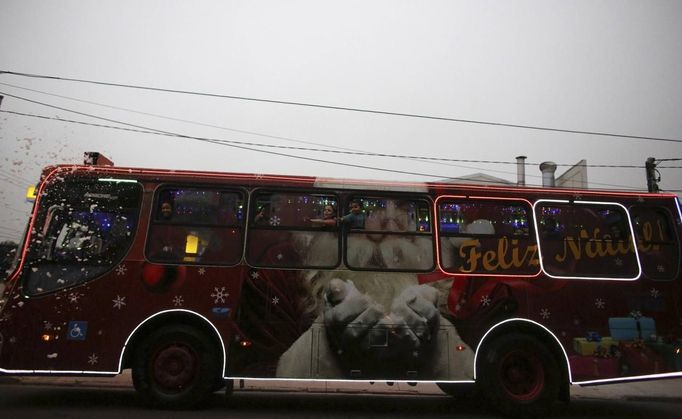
(175, 367)
(519, 376)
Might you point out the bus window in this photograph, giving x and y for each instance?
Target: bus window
(486, 237)
(656, 242)
(586, 240)
(395, 236)
(83, 229)
(293, 230)
(196, 226)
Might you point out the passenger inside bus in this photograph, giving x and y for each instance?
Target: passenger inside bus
(328, 217)
(262, 215)
(169, 240)
(356, 218)
(166, 210)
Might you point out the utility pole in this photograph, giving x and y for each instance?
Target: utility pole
(651, 172)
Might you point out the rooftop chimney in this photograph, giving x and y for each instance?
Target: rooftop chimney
(548, 168)
(521, 170)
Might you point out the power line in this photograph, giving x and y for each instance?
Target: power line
(327, 147)
(230, 129)
(187, 121)
(221, 142)
(231, 144)
(152, 131)
(346, 152)
(342, 108)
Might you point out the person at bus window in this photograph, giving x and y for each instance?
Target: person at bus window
(262, 216)
(356, 217)
(168, 239)
(166, 210)
(328, 217)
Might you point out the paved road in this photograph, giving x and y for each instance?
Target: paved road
(43, 401)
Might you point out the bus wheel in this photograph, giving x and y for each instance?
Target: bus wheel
(175, 367)
(519, 376)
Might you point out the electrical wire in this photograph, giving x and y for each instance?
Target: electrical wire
(214, 141)
(342, 108)
(340, 151)
(139, 129)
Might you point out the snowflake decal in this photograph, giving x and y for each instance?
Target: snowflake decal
(255, 275)
(485, 301)
(545, 313)
(660, 268)
(74, 297)
(275, 300)
(178, 301)
(219, 295)
(202, 271)
(636, 314)
(619, 262)
(121, 270)
(280, 256)
(47, 325)
(275, 220)
(93, 359)
(599, 303)
(654, 293)
(119, 302)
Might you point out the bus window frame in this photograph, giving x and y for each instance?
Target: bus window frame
(406, 196)
(575, 202)
(530, 236)
(154, 221)
(675, 240)
(47, 220)
(251, 225)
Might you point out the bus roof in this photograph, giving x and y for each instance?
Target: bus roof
(257, 179)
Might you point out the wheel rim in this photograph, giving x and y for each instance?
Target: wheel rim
(522, 375)
(174, 367)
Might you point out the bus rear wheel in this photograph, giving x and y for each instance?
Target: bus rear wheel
(175, 367)
(519, 376)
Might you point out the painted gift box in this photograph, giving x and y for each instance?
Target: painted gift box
(592, 367)
(630, 328)
(585, 346)
(639, 359)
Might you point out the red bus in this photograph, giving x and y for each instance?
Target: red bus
(193, 279)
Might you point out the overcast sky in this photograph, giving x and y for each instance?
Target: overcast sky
(598, 66)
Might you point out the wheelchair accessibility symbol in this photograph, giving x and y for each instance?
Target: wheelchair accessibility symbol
(77, 330)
